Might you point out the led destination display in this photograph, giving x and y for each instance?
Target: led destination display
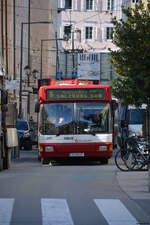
(77, 94)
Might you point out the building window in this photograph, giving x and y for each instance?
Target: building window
(109, 33)
(110, 5)
(68, 4)
(89, 4)
(67, 31)
(88, 32)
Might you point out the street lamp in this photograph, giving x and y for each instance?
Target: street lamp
(28, 73)
(35, 73)
(21, 60)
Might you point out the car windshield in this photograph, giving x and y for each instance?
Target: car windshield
(21, 125)
(136, 116)
(75, 118)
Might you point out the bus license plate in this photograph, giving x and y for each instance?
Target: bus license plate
(76, 154)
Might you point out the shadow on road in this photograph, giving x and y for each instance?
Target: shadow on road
(31, 156)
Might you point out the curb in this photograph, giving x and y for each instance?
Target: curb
(135, 184)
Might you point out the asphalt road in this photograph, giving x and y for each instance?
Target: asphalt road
(73, 193)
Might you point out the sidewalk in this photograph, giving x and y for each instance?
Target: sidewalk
(136, 186)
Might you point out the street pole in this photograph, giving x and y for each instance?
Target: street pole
(57, 59)
(6, 36)
(73, 49)
(2, 28)
(41, 57)
(29, 13)
(21, 61)
(14, 39)
(20, 92)
(28, 103)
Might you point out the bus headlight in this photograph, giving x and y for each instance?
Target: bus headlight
(102, 148)
(49, 148)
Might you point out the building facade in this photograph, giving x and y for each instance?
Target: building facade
(87, 25)
(12, 16)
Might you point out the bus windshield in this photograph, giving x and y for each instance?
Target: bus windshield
(75, 118)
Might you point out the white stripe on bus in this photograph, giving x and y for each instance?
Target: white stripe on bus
(115, 212)
(6, 208)
(55, 212)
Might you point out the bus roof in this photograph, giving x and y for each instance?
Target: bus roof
(102, 93)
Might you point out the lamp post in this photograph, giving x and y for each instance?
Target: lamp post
(28, 73)
(42, 41)
(73, 50)
(21, 60)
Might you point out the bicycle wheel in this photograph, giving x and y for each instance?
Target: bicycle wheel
(139, 161)
(120, 160)
(130, 159)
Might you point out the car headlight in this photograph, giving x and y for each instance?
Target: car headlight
(102, 148)
(49, 148)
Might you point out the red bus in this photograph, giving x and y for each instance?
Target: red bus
(75, 120)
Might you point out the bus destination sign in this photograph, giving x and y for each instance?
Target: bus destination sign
(75, 94)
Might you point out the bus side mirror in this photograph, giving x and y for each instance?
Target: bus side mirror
(37, 107)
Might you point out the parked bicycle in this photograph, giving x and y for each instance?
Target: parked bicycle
(134, 155)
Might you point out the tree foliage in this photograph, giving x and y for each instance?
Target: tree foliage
(131, 60)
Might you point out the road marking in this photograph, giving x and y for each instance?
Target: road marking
(115, 212)
(6, 208)
(55, 212)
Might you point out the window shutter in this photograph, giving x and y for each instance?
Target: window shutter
(75, 36)
(104, 7)
(79, 5)
(83, 5)
(62, 3)
(74, 4)
(95, 33)
(95, 2)
(105, 33)
(83, 34)
(113, 5)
